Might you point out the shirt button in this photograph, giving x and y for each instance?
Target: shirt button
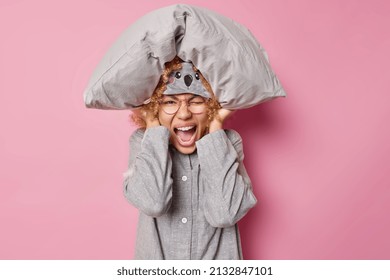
(184, 178)
(184, 220)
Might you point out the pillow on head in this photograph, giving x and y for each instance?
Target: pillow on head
(225, 52)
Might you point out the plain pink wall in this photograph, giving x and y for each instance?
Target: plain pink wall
(319, 159)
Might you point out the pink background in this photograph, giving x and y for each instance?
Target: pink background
(319, 159)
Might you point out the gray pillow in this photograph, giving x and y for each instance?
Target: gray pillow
(226, 53)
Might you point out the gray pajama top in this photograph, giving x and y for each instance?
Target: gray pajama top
(189, 205)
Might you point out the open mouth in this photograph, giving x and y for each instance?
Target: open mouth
(186, 135)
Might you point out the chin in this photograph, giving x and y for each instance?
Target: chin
(185, 150)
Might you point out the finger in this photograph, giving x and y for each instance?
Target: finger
(225, 113)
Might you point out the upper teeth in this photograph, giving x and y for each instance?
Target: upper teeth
(185, 128)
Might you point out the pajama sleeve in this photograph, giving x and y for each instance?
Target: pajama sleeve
(148, 181)
(227, 188)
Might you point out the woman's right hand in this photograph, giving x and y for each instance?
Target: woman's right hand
(147, 116)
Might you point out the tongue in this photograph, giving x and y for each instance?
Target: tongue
(185, 135)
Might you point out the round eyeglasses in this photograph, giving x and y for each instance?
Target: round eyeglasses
(170, 105)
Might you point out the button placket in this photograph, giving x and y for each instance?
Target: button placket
(184, 178)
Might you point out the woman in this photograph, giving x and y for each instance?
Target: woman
(186, 174)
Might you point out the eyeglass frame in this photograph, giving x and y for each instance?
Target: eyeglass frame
(180, 101)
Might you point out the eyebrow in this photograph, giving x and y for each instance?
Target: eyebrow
(176, 98)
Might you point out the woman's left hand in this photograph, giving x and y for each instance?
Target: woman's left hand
(217, 122)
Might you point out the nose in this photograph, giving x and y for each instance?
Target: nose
(188, 80)
(183, 112)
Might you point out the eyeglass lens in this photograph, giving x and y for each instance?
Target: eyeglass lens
(196, 105)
